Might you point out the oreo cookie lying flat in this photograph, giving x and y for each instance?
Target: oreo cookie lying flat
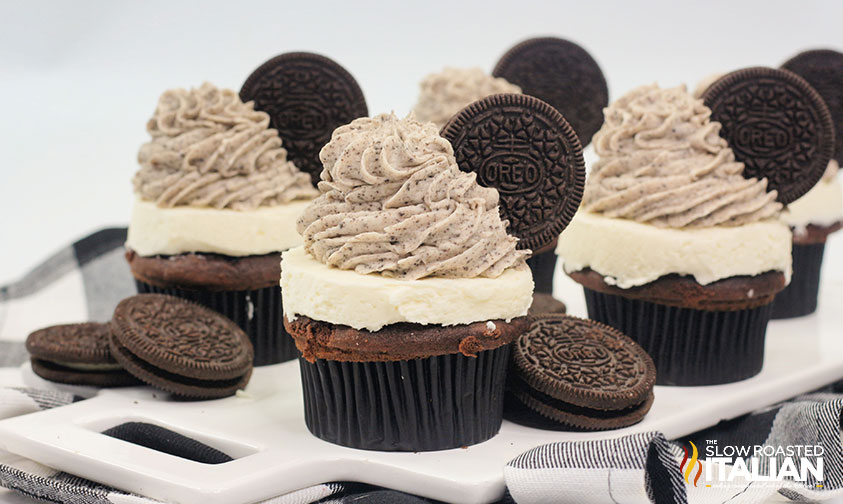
(526, 150)
(823, 69)
(76, 354)
(776, 124)
(307, 96)
(180, 347)
(581, 373)
(562, 74)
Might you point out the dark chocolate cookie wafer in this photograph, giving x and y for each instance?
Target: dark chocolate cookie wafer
(564, 75)
(307, 96)
(582, 373)
(823, 69)
(526, 150)
(180, 347)
(76, 354)
(777, 125)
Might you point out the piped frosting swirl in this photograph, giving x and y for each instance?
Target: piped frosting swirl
(209, 149)
(445, 93)
(663, 162)
(394, 202)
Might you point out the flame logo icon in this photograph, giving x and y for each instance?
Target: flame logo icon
(694, 461)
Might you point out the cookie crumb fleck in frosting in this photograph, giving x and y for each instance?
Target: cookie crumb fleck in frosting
(395, 202)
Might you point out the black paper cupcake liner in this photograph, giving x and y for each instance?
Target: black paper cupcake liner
(435, 403)
(799, 298)
(258, 312)
(689, 347)
(542, 265)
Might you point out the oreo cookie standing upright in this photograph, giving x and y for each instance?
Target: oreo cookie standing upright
(567, 77)
(307, 96)
(76, 354)
(818, 213)
(525, 149)
(776, 124)
(823, 70)
(562, 74)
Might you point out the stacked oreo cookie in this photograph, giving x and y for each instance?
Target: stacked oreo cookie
(172, 344)
(578, 374)
(76, 354)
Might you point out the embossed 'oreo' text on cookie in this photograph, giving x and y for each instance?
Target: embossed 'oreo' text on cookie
(564, 349)
(583, 354)
(526, 150)
(307, 96)
(581, 373)
(511, 172)
(777, 125)
(305, 120)
(765, 137)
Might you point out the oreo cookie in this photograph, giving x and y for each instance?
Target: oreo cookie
(777, 125)
(562, 74)
(823, 69)
(581, 373)
(76, 354)
(180, 347)
(525, 149)
(307, 96)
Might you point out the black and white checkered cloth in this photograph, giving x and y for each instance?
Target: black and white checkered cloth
(87, 280)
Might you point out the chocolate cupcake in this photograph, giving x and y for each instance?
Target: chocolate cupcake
(216, 201)
(812, 218)
(406, 294)
(673, 245)
(819, 212)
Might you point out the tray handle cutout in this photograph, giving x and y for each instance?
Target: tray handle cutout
(167, 441)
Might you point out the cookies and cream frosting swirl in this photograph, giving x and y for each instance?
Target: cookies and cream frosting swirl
(394, 202)
(445, 93)
(662, 162)
(211, 150)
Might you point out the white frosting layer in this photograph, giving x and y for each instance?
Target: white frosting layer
(629, 253)
(372, 301)
(821, 206)
(169, 231)
(90, 367)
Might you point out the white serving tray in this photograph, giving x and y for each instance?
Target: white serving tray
(264, 429)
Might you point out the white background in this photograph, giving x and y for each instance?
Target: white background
(78, 80)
